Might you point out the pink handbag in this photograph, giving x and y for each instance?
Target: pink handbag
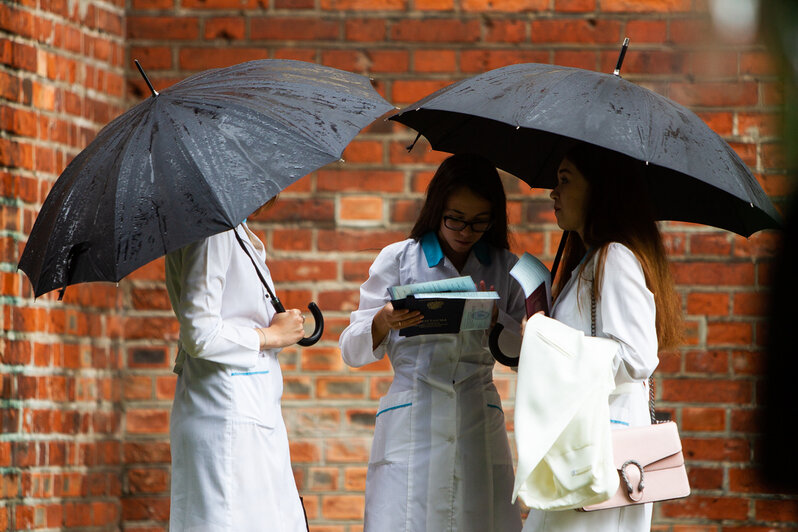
(650, 466)
(649, 459)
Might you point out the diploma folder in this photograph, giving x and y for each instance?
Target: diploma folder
(535, 281)
(448, 306)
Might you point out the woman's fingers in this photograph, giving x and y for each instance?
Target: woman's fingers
(400, 319)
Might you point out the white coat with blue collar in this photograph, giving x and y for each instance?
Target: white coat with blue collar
(440, 460)
(231, 470)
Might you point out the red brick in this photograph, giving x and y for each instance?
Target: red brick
(355, 478)
(707, 507)
(574, 6)
(227, 28)
(363, 151)
(343, 241)
(145, 508)
(436, 30)
(506, 30)
(705, 478)
(147, 480)
(511, 6)
(176, 28)
(299, 210)
(303, 270)
(729, 333)
(352, 450)
(784, 511)
(708, 303)
(364, 5)
(434, 5)
(360, 209)
(204, 58)
(293, 28)
(758, 63)
(365, 30)
(321, 359)
(407, 91)
(343, 507)
(340, 387)
(292, 239)
(713, 273)
(706, 391)
(575, 31)
(147, 421)
(646, 6)
(475, 60)
(714, 94)
(750, 304)
(304, 452)
(703, 419)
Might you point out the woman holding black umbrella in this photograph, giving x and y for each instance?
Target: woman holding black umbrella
(440, 460)
(231, 468)
(615, 261)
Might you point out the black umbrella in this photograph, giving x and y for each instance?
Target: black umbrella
(190, 162)
(524, 118)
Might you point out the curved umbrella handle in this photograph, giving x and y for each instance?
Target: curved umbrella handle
(319, 319)
(495, 350)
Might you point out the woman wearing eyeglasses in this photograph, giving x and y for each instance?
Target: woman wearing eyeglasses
(440, 459)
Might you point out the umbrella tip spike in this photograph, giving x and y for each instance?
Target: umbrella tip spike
(624, 46)
(146, 79)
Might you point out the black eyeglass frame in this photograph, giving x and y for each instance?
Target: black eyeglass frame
(462, 224)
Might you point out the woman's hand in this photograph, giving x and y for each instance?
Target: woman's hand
(390, 318)
(393, 318)
(285, 329)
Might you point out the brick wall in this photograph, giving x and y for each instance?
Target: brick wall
(61, 79)
(87, 385)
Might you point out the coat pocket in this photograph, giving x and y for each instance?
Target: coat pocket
(496, 427)
(392, 430)
(255, 399)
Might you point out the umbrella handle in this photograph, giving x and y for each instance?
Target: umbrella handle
(495, 350)
(317, 332)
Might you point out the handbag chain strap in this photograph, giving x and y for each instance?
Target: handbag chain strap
(650, 379)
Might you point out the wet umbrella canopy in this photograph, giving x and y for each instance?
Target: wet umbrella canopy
(524, 117)
(190, 162)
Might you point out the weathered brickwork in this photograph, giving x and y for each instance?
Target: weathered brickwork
(86, 386)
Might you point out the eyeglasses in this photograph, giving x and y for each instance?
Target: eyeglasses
(456, 224)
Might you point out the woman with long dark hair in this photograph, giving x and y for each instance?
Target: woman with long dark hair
(614, 259)
(440, 460)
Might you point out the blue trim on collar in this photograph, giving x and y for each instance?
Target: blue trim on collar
(432, 249)
(434, 254)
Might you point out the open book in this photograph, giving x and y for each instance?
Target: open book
(535, 281)
(448, 306)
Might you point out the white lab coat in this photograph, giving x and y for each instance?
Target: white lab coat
(440, 460)
(231, 470)
(626, 313)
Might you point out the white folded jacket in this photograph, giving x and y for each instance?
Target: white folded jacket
(562, 428)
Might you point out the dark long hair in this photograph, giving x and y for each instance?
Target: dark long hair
(478, 175)
(619, 209)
